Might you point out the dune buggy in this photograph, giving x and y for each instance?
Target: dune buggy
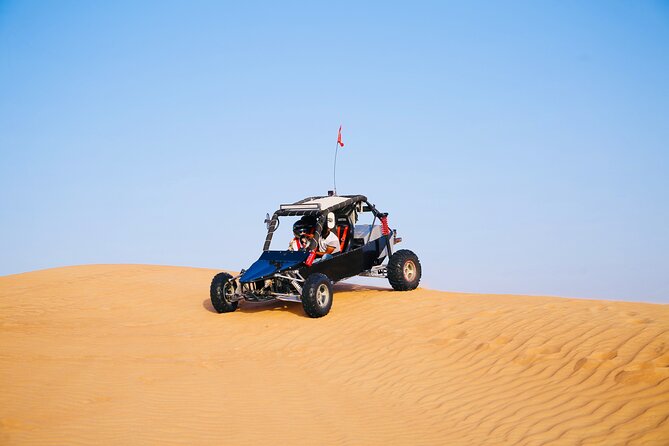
(296, 276)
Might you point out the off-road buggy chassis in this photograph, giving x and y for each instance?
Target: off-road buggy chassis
(367, 250)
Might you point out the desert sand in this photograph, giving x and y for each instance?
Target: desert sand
(135, 354)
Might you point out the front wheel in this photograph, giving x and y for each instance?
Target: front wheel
(317, 295)
(221, 292)
(404, 270)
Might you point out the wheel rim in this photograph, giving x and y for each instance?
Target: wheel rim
(322, 295)
(228, 291)
(409, 271)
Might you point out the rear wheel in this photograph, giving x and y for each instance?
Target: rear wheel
(221, 292)
(404, 270)
(317, 295)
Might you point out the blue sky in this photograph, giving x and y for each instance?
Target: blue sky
(519, 147)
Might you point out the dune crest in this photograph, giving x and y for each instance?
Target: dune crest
(112, 354)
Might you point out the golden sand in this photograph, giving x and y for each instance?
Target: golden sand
(134, 354)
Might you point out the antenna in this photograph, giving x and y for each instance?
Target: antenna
(339, 143)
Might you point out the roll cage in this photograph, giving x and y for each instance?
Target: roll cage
(319, 207)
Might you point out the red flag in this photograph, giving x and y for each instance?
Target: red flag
(341, 144)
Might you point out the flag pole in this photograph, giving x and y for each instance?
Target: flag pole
(335, 167)
(339, 143)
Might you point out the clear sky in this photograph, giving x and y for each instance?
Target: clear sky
(519, 147)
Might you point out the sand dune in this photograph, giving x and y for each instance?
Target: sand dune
(134, 354)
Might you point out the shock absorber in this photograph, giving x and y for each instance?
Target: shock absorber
(385, 230)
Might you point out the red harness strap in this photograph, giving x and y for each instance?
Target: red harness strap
(343, 238)
(297, 240)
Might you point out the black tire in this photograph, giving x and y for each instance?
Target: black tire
(317, 295)
(222, 304)
(404, 270)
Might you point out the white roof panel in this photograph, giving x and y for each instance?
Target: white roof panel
(326, 202)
